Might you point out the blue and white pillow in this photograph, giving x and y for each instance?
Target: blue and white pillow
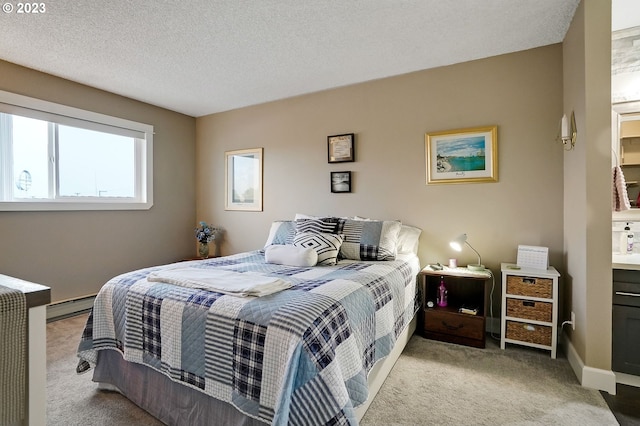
(370, 239)
(281, 233)
(326, 245)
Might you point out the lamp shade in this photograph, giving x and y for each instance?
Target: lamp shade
(457, 246)
(458, 242)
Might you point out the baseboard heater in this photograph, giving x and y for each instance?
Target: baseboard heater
(69, 307)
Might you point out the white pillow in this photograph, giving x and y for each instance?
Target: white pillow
(306, 216)
(326, 245)
(290, 255)
(408, 239)
(309, 216)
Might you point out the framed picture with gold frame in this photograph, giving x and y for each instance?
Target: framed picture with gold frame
(462, 156)
(243, 179)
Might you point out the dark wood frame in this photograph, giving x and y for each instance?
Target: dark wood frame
(348, 138)
(335, 190)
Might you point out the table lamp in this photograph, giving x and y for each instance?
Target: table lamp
(457, 246)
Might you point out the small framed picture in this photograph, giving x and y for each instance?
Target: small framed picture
(341, 148)
(243, 180)
(340, 181)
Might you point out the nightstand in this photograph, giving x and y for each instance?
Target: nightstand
(529, 307)
(466, 288)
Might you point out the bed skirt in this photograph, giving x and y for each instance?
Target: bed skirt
(174, 403)
(178, 404)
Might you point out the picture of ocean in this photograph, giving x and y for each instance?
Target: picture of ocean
(461, 155)
(460, 164)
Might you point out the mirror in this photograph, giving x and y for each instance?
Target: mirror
(626, 153)
(625, 99)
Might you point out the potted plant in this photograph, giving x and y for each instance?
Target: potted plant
(206, 234)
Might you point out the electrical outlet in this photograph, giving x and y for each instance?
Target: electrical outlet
(573, 320)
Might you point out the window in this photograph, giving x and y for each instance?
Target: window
(54, 157)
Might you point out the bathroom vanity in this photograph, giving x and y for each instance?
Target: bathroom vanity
(625, 354)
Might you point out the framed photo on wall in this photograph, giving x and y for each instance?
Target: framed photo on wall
(341, 148)
(340, 181)
(243, 179)
(462, 156)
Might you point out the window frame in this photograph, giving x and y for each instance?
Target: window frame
(61, 114)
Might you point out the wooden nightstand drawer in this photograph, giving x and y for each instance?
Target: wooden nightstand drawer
(530, 286)
(529, 309)
(531, 333)
(452, 323)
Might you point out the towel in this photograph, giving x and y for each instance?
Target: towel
(221, 281)
(620, 196)
(13, 341)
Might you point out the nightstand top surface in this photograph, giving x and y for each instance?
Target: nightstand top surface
(460, 271)
(510, 268)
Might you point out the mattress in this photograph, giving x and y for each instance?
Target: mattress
(298, 356)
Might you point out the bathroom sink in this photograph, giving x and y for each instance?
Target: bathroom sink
(628, 259)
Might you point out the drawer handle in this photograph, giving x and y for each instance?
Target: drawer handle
(529, 304)
(528, 280)
(452, 327)
(529, 327)
(624, 293)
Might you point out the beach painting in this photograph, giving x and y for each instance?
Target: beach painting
(462, 156)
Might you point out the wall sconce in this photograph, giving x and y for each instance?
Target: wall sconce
(568, 132)
(457, 246)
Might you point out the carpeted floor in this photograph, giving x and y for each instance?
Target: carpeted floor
(72, 399)
(436, 383)
(433, 383)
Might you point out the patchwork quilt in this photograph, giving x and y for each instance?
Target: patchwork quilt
(299, 356)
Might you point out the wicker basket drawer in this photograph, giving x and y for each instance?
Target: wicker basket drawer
(529, 309)
(531, 333)
(530, 286)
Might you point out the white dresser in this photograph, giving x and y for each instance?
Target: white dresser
(529, 307)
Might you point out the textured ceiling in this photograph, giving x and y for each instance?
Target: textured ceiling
(204, 56)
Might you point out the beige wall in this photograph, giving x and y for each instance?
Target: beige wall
(76, 252)
(521, 93)
(587, 175)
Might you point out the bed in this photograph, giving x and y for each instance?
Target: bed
(312, 352)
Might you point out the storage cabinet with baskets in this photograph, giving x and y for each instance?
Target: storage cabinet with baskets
(529, 307)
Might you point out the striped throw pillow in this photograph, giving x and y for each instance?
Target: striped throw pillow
(327, 225)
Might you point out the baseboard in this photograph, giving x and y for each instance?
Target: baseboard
(627, 379)
(589, 377)
(69, 307)
(596, 378)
